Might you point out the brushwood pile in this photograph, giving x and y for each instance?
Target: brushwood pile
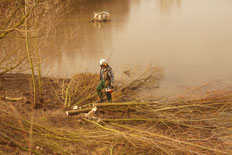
(195, 122)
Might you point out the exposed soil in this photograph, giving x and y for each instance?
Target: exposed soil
(20, 86)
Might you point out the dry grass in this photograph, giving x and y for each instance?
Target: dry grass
(188, 124)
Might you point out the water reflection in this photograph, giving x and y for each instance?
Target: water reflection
(92, 39)
(186, 44)
(166, 5)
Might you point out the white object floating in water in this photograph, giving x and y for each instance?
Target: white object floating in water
(101, 17)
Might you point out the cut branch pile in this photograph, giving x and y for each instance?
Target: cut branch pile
(81, 89)
(70, 91)
(172, 127)
(181, 125)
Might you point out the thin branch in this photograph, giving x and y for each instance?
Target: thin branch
(14, 28)
(11, 68)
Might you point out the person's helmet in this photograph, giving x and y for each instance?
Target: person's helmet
(102, 61)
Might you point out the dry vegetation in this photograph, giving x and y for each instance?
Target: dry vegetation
(197, 122)
(25, 30)
(192, 124)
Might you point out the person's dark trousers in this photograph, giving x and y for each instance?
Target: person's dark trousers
(100, 86)
(109, 97)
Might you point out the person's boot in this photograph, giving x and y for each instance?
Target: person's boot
(99, 100)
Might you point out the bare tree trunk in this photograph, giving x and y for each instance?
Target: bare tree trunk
(27, 7)
(37, 51)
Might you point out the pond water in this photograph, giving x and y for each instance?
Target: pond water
(190, 39)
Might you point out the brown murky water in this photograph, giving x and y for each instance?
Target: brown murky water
(190, 39)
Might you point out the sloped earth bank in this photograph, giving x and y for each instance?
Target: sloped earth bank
(198, 122)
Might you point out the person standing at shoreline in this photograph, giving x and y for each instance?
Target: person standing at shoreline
(106, 82)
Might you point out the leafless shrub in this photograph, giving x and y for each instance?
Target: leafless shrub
(25, 29)
(146, 79)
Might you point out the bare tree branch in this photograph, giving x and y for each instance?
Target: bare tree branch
(13, 67)
(16, 26)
